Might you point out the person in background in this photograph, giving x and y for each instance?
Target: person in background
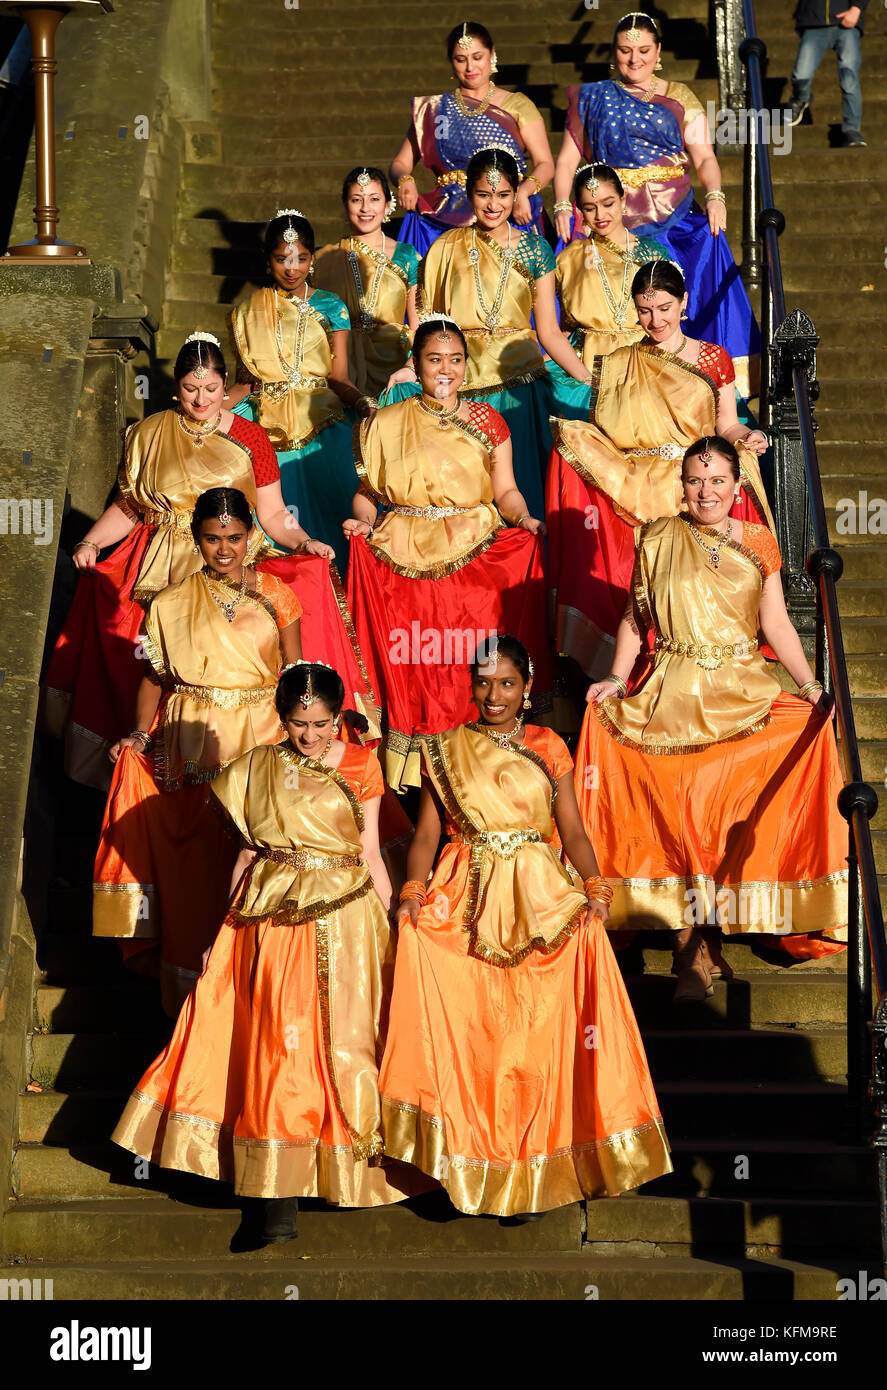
(824, 24)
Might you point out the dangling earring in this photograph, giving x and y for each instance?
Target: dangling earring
(658, 67)
(175, 398)
(526, 701)
(612, 67)
(225, 396)
(684, 316)
(336, 724)
(494, 62)
(311, 267)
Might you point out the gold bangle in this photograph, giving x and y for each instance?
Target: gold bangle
(92, 545)
(619, 683)
(413, 889)
(810, 686)
(598, 888)
(715, 195)
(563, 205)
(531, 178)
(405, 178)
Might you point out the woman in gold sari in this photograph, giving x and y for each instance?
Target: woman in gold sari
(514, 1071)
(213, 645)
(292, 350)
(437, 570)
(171, 458)
(623, 467)
(270, 1080)
(714, 796)
(594, 279)
(375, 277)
(497, 283)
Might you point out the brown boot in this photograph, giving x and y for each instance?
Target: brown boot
(694, 982)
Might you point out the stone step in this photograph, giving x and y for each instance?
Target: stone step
(870, 715)
(74, 954)
(741, 1003)
(868, 675)
(800, 247)
(776, 1109)
(159, 1228)
(69, 1061)
(313, 48)
(575, 1277)
(865, 635)
(862, 562)
(860, 523)
(861, 600)
(836, 487)
(852, 424)
(799, 277)
(746, 1167)
(845, 395)
(810, 1053)
(132, 1005)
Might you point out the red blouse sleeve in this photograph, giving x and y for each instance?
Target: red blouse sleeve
(265, 466)
(490, 421)
(716, 363)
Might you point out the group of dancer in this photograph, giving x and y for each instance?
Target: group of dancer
(518, 460)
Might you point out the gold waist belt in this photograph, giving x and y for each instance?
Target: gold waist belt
(304, 859)
(226, 699)
(504, 843)
(493, 332)
(451, 176)
(278, 390)
(664, 451)
(432, 513)
(180, 521)
(705, 654)
(650, 173)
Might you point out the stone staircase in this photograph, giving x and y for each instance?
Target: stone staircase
(767, 1201)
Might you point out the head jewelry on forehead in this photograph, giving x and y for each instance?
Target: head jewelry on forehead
(464, 39)
(705, 451)
(634, 34)
(653, 287)
(201, 371)
(364, 178)
(310, 694)
(289, 232)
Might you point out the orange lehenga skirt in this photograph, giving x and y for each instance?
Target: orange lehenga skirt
(744, 834)
(525, 1087)
(270, 1080)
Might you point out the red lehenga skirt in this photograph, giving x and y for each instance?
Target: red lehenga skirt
(93, 675)
(591, 554)
(419, 635)
(745, 834)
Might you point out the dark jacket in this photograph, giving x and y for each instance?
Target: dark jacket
(816, 14)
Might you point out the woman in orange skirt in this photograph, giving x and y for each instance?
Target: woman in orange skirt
(709, 794)
(434, 567)
(270, 1079)
(514, 1071)
(213, 644)
(622, 467)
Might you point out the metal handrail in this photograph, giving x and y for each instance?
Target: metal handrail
(867, 946)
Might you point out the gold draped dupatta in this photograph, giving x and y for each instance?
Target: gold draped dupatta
(405, 459)
(163, 473)
(586, 309)
(647, 399)
(220, 677)
(701, 694)
(373, 352)
(293, 400)
(498, 357)
(520, 897)
(288, 805)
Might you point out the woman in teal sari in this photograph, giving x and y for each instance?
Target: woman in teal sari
(292, 366)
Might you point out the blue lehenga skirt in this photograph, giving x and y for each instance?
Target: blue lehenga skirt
(319, 481)
(525, 409)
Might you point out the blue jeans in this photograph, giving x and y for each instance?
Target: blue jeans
(847, 43)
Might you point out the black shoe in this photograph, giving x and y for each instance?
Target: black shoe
(520, 1218)
(279, 1223)
(798, 111)
(851, 138)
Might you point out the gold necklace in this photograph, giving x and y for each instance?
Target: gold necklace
(620, 310)
(229, 607)
(501, 740)
(203, 430)
(366, 299)
(491, 315)
(484, 103)
(293, 370)
(648, 95)
(440, 414)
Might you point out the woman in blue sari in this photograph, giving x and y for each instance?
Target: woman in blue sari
(651, 131)
(292, 374)
(448, 129)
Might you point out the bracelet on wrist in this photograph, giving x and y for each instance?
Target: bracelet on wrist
(619, 683)
(414, 889)
(715, 195)
(531, 178)
(599, 889)
(142, 735)
(92, 545)
(806, 690)
(563, 205)
(405, 178)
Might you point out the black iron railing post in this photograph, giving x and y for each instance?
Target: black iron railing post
(858, 797)
(793, 348)
(752, 269)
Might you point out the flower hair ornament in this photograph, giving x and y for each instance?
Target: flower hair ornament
(201, 371)
(289, 232)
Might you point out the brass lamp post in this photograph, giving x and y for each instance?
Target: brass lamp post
(42, 19)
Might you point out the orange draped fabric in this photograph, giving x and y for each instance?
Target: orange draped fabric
(270, 1078)
(520, 1087)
